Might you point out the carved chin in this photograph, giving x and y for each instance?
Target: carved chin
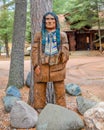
(50, 27)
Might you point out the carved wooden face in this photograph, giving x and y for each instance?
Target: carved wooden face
(50, 22)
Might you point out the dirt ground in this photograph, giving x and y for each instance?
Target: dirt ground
(86, 71)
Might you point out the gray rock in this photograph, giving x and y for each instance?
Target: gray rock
(94, 117)
(84, 104)
(9, 101)
(28, 80)
(23, 116)
(73, 89)
(13, 91)
(55, 117)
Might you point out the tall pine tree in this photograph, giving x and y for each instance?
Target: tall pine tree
(16, 73)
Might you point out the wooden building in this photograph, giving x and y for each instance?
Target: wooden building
(79, 39)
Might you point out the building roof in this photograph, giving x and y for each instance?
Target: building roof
(65, 25)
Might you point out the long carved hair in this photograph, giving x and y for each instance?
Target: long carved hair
(43, 30)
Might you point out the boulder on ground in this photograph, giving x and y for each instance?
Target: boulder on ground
(84, 104)
(13, 91)
(55, 117)
(94, 117)
(9, 101)
(28, 80)
(23, 116)
(73, 89)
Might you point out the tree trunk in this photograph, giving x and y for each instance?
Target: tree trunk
(6, 46)
(37, 8)
(16, 73)
(99, 33)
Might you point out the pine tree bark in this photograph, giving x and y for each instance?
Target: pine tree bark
(6, 46)
(16, 73)
(37, 8)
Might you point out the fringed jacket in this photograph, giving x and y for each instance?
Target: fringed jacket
(52, 68)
